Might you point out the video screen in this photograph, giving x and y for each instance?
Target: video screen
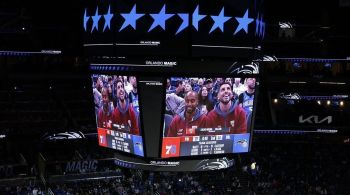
(219, 29)
(117, 112)
(204, 116)
(173, 28)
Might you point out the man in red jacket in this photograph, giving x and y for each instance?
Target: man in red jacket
(104, 117)
(227, 115)
(124, 117)
(186, 123)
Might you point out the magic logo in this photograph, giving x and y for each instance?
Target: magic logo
(239, 22)
(80, 166)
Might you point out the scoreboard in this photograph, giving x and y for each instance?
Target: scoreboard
(120, 141)
(174, 80)
(205, 145)
(157, 115)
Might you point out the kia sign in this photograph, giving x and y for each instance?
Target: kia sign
(314, 119)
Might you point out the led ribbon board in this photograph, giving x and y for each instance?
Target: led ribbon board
(172, 27)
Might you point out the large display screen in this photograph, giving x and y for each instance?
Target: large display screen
(117, 113)
(206, 116)
(173, 28)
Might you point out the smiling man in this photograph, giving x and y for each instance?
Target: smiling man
(124, 116)
(227, 116)
(104, 117)
(186, 123)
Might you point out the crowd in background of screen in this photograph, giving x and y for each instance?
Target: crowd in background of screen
(200, 106)
(117, 103)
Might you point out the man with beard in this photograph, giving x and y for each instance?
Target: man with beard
(124, 116)
(227, 114)
(186, 123)
(246, 99)
(180, 88)
(104, 117)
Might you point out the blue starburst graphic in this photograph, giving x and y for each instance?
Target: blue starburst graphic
(160, 19)
(243, 22)
(108, 18)
(130, 18)
(196, 18)
(184, 24)
(86, 19)
(95, 20)
(219, 21)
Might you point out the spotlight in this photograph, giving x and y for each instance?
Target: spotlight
(275, 101)
(341, 103)
(328, 65)
(296, 65)
(253, 166)
(318, 102)
(328, 102)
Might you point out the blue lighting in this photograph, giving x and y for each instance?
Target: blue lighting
(262, 32)
(196, 17)
(328, 65)
(219, 21)
(243, 22)
(260, 26)
(86, 19)
(95, 20)
(296, 65)
(130, 18)
(184, 24)
(160, 19)
(257, 25)
(108, 18)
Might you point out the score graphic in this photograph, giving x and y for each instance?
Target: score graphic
(205, 145)
(121, 141)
